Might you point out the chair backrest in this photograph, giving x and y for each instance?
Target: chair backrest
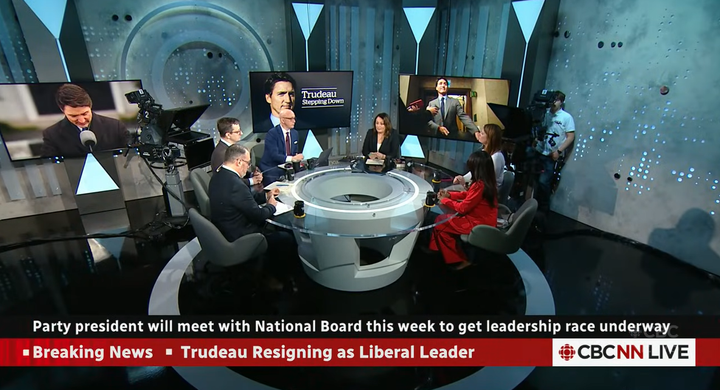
(256, 153)
(201, 182)
(504, 190)
(520, 223)
(218, 250)
(494, 240)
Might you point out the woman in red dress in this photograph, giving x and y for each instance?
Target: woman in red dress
(476, 206)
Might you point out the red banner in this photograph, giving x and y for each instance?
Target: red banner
(307, 352)
(276, 352)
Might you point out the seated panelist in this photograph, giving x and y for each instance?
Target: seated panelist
(490, 136)
(281, 146)
(63, 138)
(230, 133)
(476, 206)
(381, 142)
(235, 211)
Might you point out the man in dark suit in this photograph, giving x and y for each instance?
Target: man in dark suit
(280, 95)
(63, 138)
(281, 146)
(234, 209)
(445, 111)
(236, 212)
(230, 133)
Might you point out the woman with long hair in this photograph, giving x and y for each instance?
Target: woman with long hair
(490, 136)
(476, 206)
(381, 142)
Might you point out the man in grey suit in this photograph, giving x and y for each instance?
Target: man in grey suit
(445, 111)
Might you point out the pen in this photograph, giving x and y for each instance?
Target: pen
(282, 185)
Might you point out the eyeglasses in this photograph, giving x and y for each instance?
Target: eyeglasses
(290, 119)
(245, 161)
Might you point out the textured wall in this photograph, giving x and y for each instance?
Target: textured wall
(187, 53)
(661, 148)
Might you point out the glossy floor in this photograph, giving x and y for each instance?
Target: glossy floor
(588, 275)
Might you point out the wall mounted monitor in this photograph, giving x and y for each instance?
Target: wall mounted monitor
(27, 110)
(417, 93)
(320, 100)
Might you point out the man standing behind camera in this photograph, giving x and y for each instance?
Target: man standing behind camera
(63, 138)
(559, 136)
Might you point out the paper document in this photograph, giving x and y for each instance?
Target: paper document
(373, 161)
(282, 208)
(277, 184)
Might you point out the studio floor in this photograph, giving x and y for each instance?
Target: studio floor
(589, 273)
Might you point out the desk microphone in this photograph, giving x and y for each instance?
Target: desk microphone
(88, 139)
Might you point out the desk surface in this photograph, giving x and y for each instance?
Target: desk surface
(349, 200)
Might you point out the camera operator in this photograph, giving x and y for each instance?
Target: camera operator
(552, 146)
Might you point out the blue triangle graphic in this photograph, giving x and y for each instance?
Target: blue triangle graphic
(51, 13)
(307, 15)
(411, 147)
(113, 245)
(312, 148)
(419, 18)
(528, 12)
(94, 178)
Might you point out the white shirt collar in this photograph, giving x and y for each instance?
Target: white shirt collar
(226, 142)
(275, 120)
(231, 170)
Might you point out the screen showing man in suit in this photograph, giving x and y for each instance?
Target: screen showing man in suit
(34, 125)
(439, 107)
(279, 91)
(281, 146)
(64, 137)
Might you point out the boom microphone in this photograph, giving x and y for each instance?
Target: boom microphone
(88, 139)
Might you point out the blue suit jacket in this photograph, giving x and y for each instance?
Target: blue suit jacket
(274, 153)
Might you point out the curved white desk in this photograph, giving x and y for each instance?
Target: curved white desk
(347, 210)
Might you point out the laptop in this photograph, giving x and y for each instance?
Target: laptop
(322, 161)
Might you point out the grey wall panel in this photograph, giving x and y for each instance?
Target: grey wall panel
(44, 49)
(667, 144)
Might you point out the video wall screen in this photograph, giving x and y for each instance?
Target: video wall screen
(27, 110)
(464, 95)
(320, 100)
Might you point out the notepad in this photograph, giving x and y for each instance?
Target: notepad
(373, 161)
(282, 208)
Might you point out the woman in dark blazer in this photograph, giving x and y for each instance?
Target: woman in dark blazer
(382, 142)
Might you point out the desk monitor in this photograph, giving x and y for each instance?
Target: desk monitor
(182, 118)
(323, 160)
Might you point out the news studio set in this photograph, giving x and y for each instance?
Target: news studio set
(406, 195)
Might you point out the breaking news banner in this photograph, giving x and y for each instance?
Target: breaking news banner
(362, 341)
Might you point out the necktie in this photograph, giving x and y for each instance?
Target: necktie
(442, 109)
(287, 144)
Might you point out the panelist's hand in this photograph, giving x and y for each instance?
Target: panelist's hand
(271, 200)
(442, 194)
(413, 108)
(273, 193)
(459, 180)
(433, 110)
(257, 176)
(444, 130)
(298, 157)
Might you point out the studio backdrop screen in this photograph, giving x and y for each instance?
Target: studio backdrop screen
(472, 94)
(26, 110)
(320, 100)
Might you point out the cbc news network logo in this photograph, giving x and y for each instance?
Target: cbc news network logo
(567, 352)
